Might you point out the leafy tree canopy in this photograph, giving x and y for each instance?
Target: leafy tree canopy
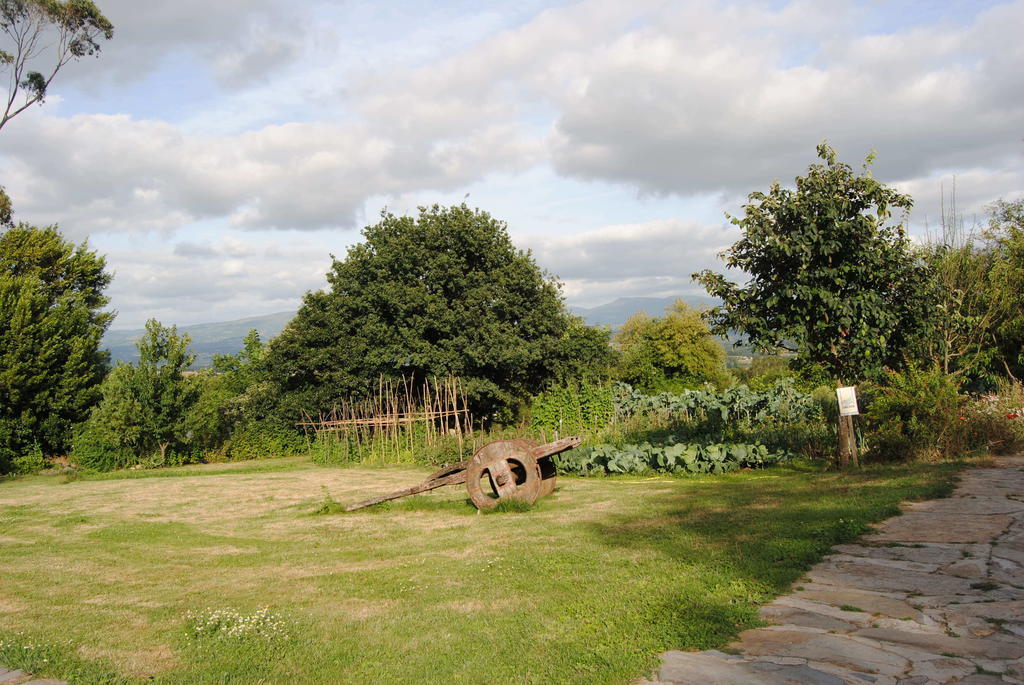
(46, 34)
(1005, 234)
(141, 414)
(828, 272)
(670, 353)
(51, 323)
(6, 210)
(445, 292)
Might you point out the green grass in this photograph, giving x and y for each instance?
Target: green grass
(104, 579)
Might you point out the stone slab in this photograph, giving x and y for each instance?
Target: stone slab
(939, 555)
(798, 617)
(837, 649)
(686, 668)
(871, 602)
(942, 670)
(886, 579)
(802, 674)
(968, 505)
(991, 647)
(928, 527)
(967, 568)
(1001, 611)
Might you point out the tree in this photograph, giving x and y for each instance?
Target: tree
(584, 354)
(1005, 236)
(51, 323)
(670, 353)
(442, 293)
(829, 275)
(141, 415)
(962, 342)
(68, 30)
(6, 211)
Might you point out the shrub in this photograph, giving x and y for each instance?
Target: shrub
(92, 449)
(32, 462)
(913, 414)
(254, 440)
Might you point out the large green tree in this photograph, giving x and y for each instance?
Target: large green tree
(444, 292)
(830, 274)
(141, 416)
(670, 353)
(51, 323)
(39, 38)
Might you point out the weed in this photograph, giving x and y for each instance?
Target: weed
(985, 586)
(328, 505)
(850, 607)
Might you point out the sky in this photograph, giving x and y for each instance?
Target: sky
(219, 153)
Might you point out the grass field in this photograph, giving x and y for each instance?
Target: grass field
(224, 573)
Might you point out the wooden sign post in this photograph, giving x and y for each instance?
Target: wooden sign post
(847, 397)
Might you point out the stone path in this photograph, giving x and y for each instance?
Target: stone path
(936, 595)
(15, 677)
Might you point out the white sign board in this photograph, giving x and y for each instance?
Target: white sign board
(847, 401)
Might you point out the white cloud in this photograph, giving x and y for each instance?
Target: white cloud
(705, 100)
(241, 41)
(199, 283)
(654, 258)
(103, 173)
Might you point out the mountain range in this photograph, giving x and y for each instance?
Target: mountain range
(225, 337)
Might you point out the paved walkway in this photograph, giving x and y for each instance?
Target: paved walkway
(936, 595)
(15, 677)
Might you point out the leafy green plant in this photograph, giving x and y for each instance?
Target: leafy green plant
(328, 505)
(573, 408)
(673, 457)
(782, 402)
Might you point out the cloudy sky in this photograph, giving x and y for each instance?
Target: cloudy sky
(219, 152)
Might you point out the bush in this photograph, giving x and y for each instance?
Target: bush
(32, 462)
(913, 415)
(93, 450)
(255, 440)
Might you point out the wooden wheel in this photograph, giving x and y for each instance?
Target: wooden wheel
(548, 471)
(511, 471)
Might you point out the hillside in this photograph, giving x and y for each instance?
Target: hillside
(208, 339)
(225, 337)
(615, 313)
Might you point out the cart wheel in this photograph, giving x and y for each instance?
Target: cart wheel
(511, 471)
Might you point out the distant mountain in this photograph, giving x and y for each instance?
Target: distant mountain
(226, 337)
(615, 313)
(208, 339)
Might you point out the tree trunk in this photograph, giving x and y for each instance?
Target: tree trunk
(846, 444)
(846, 449)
